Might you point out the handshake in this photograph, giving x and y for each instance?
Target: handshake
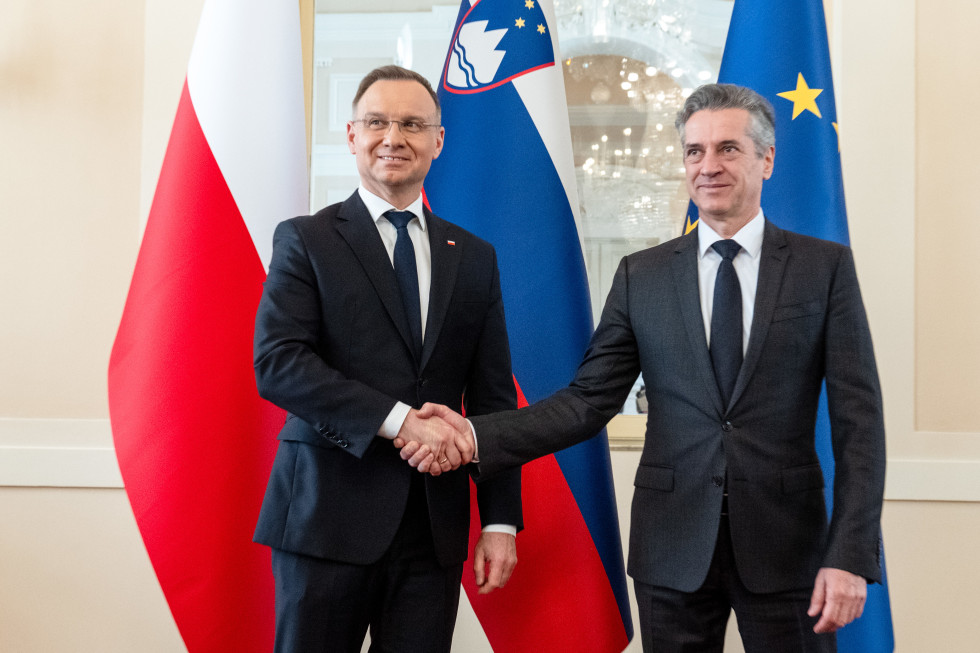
(436, 439)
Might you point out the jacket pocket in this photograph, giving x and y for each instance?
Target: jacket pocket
(655, 478)
(805, 477)
(792, 311)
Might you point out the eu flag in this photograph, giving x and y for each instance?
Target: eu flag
(506, 174)
(779, 49)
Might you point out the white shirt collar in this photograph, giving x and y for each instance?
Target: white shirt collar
(377, 207)
(749, 236)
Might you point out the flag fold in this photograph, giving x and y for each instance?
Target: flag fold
(193, 439)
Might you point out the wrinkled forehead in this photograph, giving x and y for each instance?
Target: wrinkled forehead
(718, 125)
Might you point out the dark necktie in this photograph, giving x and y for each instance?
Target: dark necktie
(407, 275)
(726, 321)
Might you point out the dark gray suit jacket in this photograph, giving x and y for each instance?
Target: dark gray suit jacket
(332, 347)
(809, 325)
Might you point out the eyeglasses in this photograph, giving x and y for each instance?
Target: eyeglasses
(406, 126)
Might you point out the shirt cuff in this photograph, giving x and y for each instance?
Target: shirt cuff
(500, 528)
(476, 447)
(393, 423)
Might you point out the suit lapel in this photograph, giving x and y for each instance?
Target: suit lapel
(355, 225)
(772, 264)
(445, 265)
(684, 267)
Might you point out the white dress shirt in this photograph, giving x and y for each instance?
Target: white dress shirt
(746, 264)
(377, 207)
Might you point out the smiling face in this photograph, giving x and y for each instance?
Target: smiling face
(393, 164)
(724, 172)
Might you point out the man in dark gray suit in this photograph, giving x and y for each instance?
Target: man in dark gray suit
(728, 509)
(351, 342)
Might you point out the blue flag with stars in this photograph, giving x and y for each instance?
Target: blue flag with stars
(779, 49)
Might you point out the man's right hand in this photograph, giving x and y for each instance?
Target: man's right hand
(431, 444)
(421, 454)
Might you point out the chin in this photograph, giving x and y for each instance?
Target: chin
(710, 209)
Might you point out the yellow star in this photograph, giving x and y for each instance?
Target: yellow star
(837, 129)
(540, 29)
(529, 4)
(689, 226)
(803, 98)
(519, 22)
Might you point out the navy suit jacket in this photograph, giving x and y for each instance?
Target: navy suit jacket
(809, 325)
(332, 347)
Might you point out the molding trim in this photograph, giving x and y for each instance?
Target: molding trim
(908, 479)
(933, 480)
(78, 453)
(58, 453)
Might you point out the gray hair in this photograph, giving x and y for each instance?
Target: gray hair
(394, 73)
(713, 97)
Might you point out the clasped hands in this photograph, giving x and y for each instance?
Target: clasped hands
(435, 439)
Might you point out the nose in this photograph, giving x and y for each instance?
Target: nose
(710, 164)
(392, 134)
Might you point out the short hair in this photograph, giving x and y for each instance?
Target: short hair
(713, 97)
(394, 73)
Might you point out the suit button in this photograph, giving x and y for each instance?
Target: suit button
(343, 444)
(717, 480)
(727, 427)
(421, 382)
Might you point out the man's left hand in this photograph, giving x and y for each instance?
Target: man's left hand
(838, 597)
(494, 560)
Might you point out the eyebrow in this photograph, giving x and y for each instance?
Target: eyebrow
(730, 141)
(375, 114)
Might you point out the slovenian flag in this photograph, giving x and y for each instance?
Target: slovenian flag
(194, 441)
(779, 49)
(506, 174)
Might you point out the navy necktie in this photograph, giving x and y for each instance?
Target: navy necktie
(407, 274)
(726, 321)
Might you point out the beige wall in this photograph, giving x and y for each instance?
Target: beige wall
(87, 97)
(947, 229)
(70, 101)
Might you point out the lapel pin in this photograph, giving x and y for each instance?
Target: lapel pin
(451, 243)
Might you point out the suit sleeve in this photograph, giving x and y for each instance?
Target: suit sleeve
(288, 370)
(578, 412)
(857, 429)
(489, 389)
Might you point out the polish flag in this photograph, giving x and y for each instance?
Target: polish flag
(194, 440)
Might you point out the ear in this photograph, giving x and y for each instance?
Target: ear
(350, 137)
(770, 159)
(440, 139)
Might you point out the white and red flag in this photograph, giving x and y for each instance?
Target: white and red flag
(194, 440)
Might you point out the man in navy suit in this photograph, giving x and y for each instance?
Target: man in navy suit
(351, 342)
(728, 508)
